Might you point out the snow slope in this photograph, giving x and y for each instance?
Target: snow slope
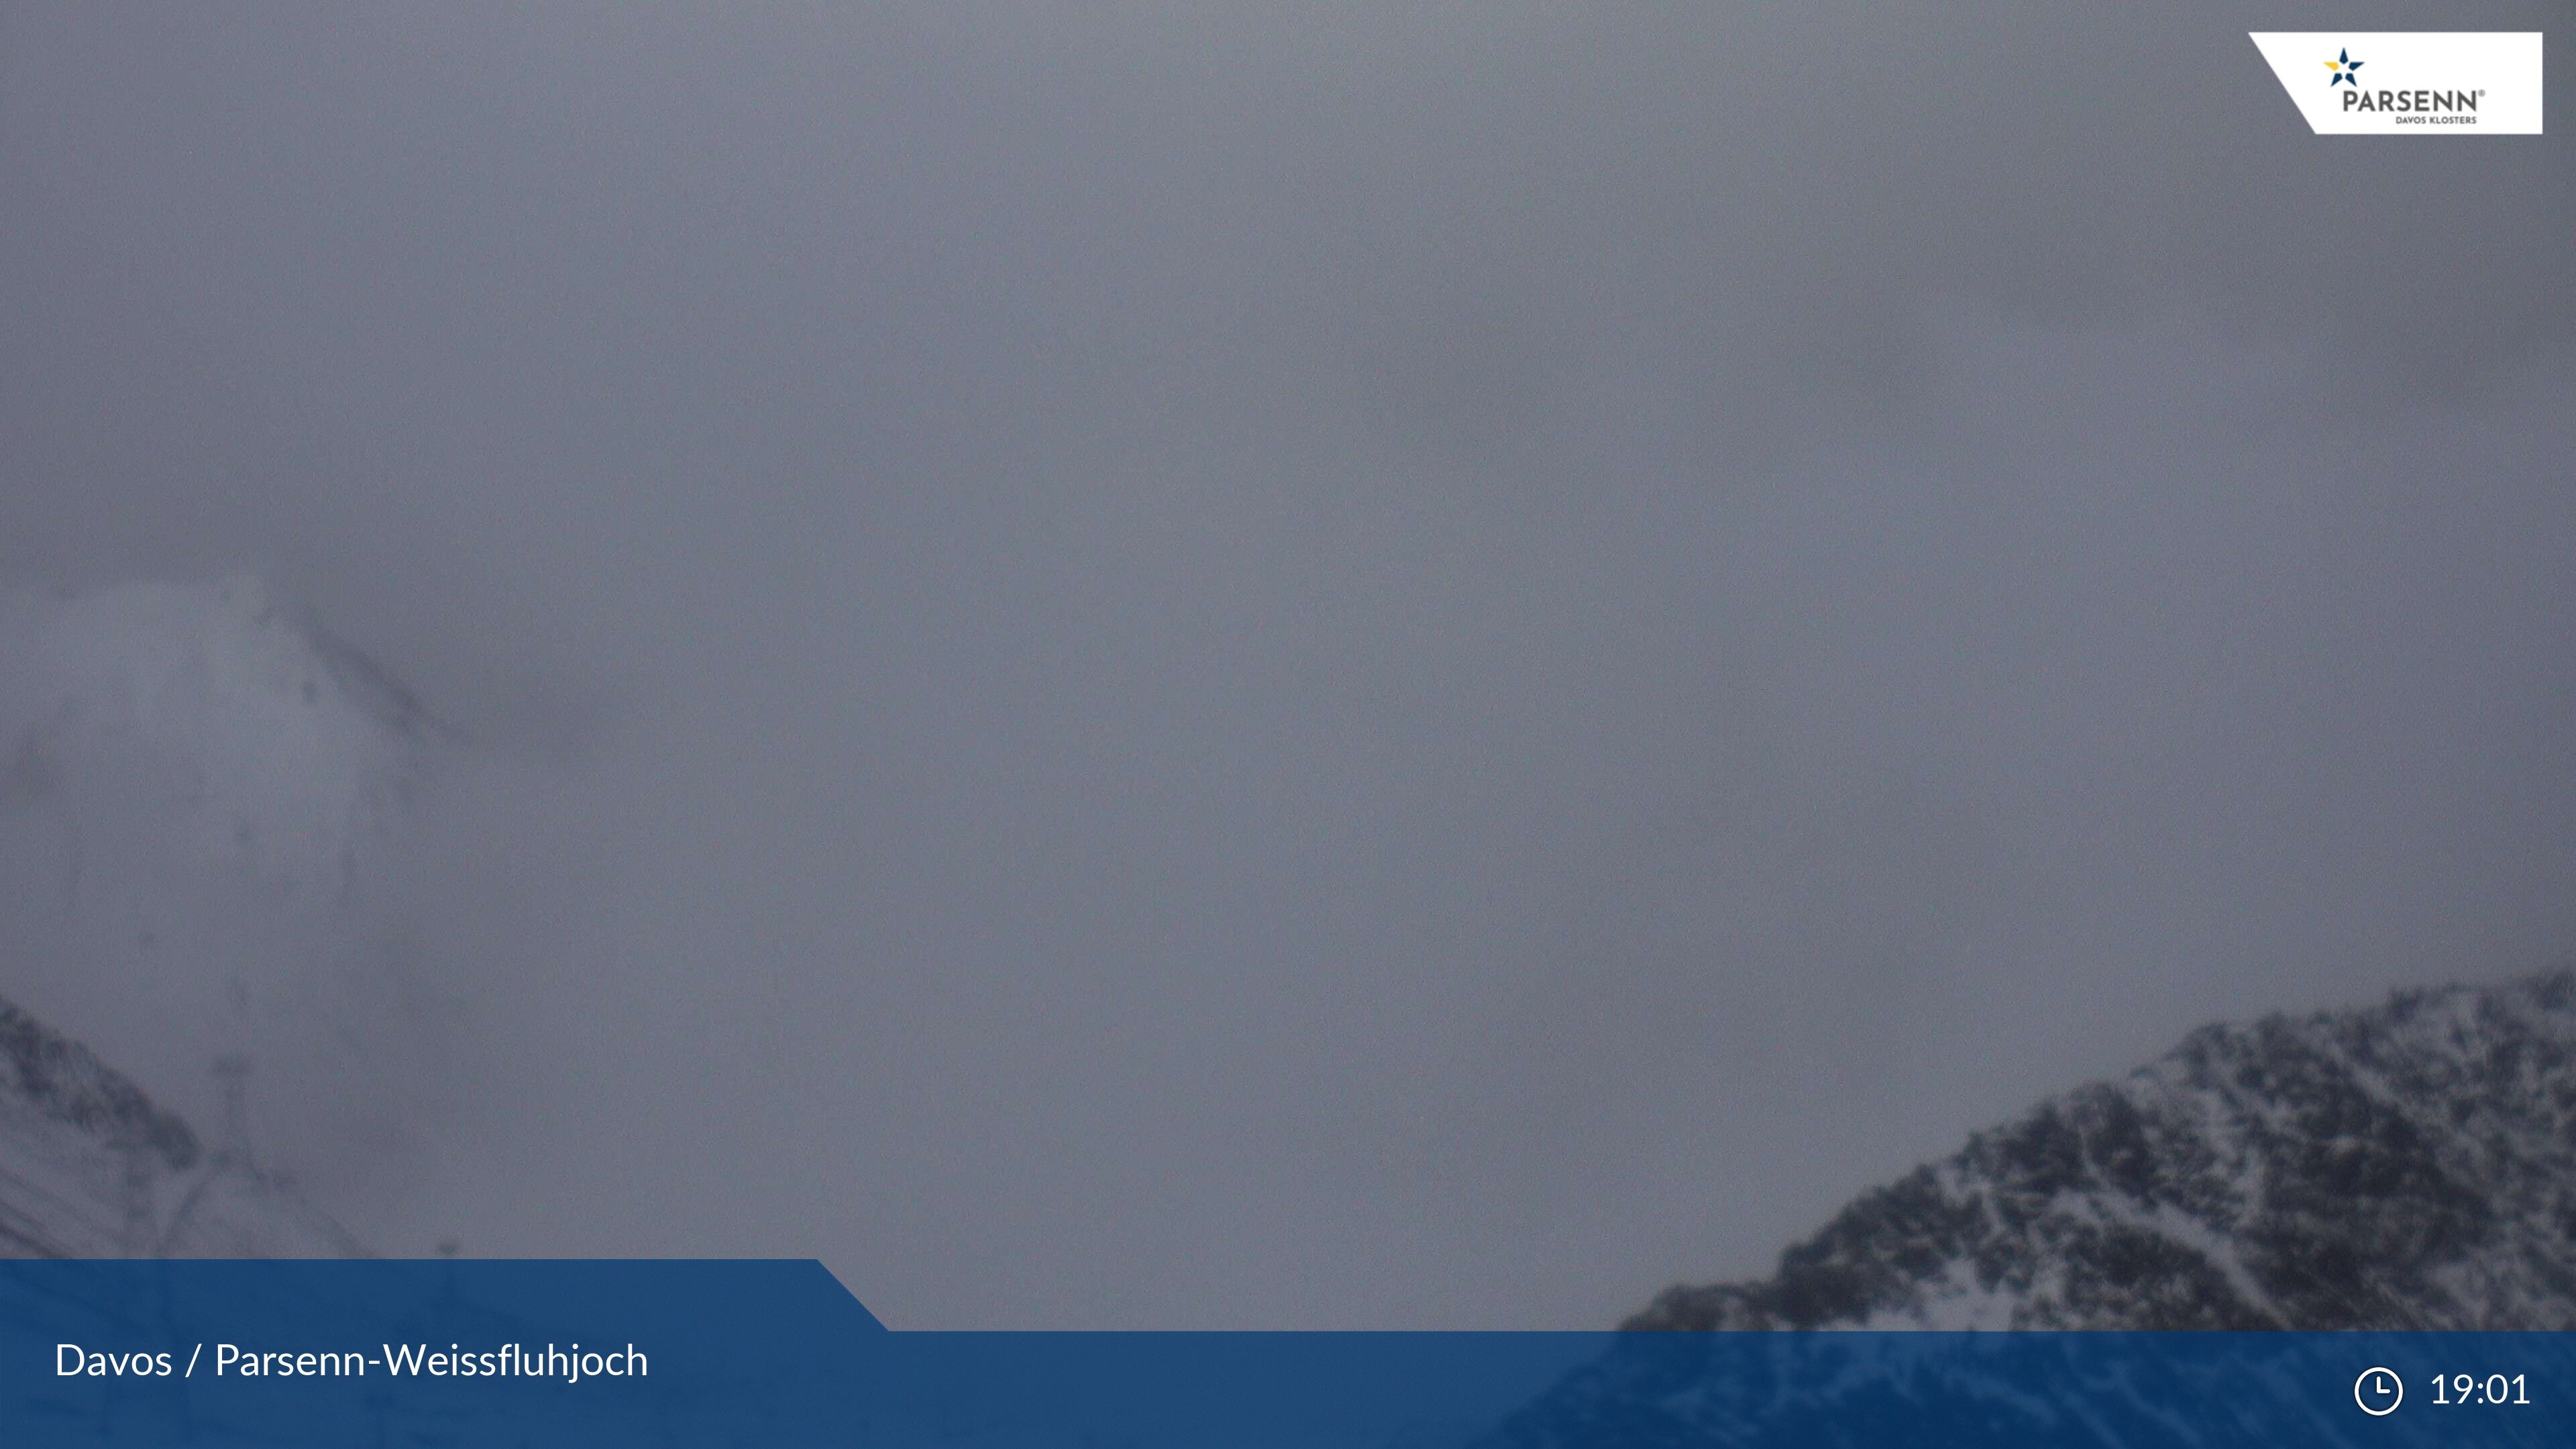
(91, 1167)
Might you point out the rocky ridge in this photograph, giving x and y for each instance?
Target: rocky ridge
(2411, 1165)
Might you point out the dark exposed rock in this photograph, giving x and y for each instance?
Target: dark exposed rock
(60, 1079)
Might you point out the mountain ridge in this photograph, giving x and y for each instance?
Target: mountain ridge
(2406, 1165)
(63, 1081)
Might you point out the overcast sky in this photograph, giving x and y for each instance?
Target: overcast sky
(1327, 664)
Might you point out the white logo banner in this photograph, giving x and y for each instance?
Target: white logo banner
(2365, 83)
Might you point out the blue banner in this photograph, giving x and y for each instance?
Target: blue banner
(779, 1354)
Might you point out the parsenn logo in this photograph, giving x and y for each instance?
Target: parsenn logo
(2435, 83)
(2427, 102)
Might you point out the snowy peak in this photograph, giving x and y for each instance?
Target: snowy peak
(206, 802)
(2411, 1165)
(231, 714)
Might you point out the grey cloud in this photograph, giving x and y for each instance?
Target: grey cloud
(1339, 666)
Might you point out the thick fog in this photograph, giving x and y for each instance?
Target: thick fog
(1325, 664)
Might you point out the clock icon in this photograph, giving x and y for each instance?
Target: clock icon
(2378, 1391)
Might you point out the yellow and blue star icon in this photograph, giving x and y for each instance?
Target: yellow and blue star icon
(2343, 65)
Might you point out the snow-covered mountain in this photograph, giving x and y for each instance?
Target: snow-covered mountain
(90, 1167)
(2407, 1166)
(228, 715)
(204, 800)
